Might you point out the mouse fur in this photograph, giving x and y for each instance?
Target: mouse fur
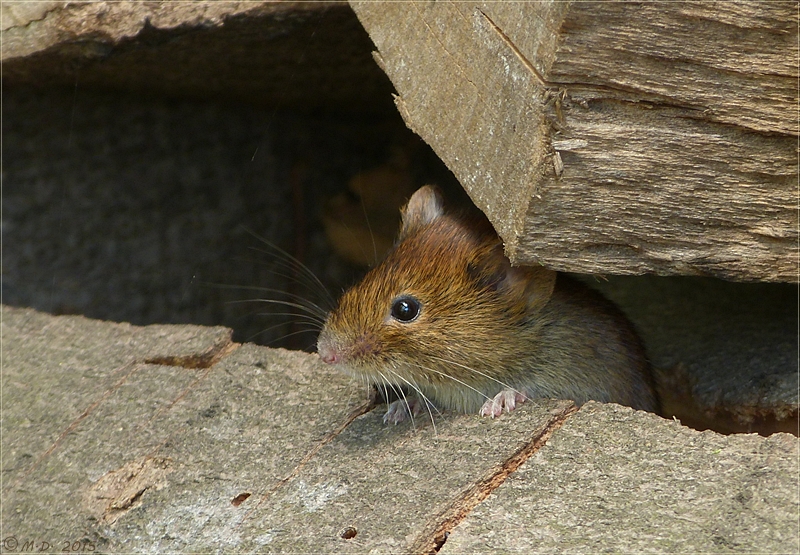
(486, 335)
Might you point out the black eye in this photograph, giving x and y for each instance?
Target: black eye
(405, 309)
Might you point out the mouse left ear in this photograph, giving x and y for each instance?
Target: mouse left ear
(424, 206)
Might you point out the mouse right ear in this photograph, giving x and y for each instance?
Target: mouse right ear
(541, 283)
(424, 206)
(533, 285)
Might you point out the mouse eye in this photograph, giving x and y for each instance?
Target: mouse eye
(406, 309)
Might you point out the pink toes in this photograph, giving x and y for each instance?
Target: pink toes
(401, 409)
(507, 399)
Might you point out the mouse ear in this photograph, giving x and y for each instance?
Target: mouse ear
(532, 285)
(424, 206)
(539, 286)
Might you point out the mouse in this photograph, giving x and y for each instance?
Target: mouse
(446, 322)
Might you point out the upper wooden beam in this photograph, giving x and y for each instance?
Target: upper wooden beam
(606, 137)
(270, 53)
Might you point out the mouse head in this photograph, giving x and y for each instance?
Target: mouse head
(445, 291)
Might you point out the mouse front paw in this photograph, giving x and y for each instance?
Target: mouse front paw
(507, 399)
(399, 411)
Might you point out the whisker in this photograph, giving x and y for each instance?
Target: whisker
(309, 306)
(446, 361)
(281, 338)
(428, 403)
(302, 278)
(400, 394)
(309, 322)
(284, 303)
(479, 392)
(278, 325)
(299, 316)
(306, 323)
(311, 347)
(296, 316)
(306, 306)
(386, 385)
(283, 292)
(444, 375)
(296, 263)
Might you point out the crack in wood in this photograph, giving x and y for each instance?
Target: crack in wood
(133, 367)
(206, 359)
(434, 536)
(449, 54)
(529, 66)
(361, 409)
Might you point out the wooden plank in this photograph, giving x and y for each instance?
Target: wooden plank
(619, 138)
(258, 52)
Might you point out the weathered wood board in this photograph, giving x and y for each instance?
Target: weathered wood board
(604, 137)
(174, 439)
(258, 52)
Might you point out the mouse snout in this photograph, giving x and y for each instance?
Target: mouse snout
(327, 350)
(345, 351)
(328, 355)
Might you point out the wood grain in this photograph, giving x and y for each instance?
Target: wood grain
(604, 137)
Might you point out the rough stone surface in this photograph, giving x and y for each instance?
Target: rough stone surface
(615, 480)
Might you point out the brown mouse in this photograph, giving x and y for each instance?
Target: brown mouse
(447, 317)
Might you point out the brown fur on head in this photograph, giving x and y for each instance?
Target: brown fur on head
(473, 308)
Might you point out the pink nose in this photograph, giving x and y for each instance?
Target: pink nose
(328, 355)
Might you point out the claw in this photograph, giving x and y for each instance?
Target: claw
(508, 399)
(398, 411)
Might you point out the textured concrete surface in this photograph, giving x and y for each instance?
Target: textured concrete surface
(173, 438)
